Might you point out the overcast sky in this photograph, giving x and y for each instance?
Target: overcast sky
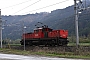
(22, 7)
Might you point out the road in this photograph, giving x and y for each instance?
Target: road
(21, 57)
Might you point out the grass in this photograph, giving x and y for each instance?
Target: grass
(12, 51)
(43, 53)
(81, 44)
(14, 44)
(85, 44)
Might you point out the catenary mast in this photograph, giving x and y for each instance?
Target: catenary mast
(0, 29)
(76, 22)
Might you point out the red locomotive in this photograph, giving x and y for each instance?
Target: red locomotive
(45, 36)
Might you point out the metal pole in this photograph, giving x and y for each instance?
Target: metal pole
(23, 34)
(24, 27)
(24, 39)
(76, 23)
(0, 28)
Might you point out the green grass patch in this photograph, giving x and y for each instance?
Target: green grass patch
(81, 44)
(12, 51)
(14, 44)
(43, 53)
(63, 55)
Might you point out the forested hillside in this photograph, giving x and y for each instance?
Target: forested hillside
(13, 25)
(57, 19)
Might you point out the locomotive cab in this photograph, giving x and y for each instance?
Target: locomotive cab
(43, 31)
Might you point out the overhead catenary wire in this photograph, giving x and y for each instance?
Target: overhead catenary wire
(46, 6)
(16, 4)
(27, 6)
(31, 5)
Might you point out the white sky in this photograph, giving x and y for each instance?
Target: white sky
(22, 7)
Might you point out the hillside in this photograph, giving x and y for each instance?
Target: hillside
(58, 15)
(57, 19)
(13, 25)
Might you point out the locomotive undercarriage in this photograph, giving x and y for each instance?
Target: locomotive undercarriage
(45, 42)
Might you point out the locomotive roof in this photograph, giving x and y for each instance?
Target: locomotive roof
(38, 28)
(42, 28)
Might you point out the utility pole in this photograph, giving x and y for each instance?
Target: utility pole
(0, 29)
(76, 23)
(23, 30)
(78, 9)
(24, 37)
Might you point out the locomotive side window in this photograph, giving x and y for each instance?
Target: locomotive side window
(35, 31)
(38, 30)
